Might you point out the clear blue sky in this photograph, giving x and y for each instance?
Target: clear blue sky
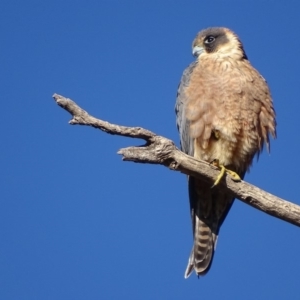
(78, 223)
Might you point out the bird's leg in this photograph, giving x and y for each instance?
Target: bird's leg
(223, 170)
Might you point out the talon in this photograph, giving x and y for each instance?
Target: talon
(220, 176)
(234, 175)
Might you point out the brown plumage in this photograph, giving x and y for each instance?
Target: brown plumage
(225, 112)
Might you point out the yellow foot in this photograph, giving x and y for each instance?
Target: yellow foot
(233, 174)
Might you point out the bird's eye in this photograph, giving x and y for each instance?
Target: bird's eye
(209, 39)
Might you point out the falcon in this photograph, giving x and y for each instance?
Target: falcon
(224, 114)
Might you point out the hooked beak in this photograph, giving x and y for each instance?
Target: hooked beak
(197, 50)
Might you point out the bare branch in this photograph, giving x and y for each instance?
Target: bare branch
(160, 150)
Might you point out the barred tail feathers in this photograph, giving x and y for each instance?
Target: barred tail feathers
(209, 208)
(203, 249)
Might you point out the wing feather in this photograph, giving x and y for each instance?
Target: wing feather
(183, 125)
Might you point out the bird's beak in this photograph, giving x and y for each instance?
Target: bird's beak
(197, 50)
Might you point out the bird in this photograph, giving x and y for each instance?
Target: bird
(224, 114)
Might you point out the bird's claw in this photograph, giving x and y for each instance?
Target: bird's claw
(234, 176)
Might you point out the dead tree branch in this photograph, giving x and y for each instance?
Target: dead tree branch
(160, 150)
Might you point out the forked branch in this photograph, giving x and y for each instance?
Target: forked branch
(160, 150)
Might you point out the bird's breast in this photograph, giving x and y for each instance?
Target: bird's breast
(222, 113)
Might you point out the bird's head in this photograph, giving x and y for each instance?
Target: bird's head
(218, 40)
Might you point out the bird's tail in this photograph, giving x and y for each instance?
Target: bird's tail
(203, 249)
(207, 206)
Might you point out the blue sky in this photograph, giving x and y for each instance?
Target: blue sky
(78, 223)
